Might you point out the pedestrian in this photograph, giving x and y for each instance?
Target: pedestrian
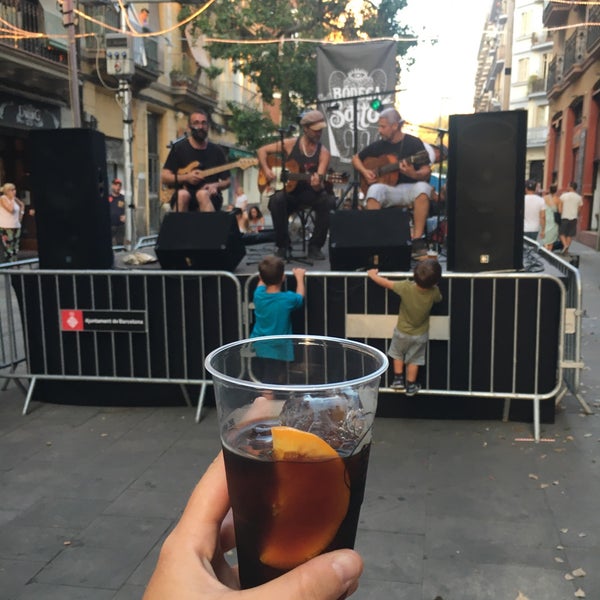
(569, 206)
(116, 201)
(534, 213)
(11, 215)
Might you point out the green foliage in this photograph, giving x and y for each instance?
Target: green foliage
(290, 68)
(252, 128)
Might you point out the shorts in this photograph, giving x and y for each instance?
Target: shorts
(403, 194)
(408, 348)
(568, 227)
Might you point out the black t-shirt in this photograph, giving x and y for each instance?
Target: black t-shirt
(183, 153)
(409, 146)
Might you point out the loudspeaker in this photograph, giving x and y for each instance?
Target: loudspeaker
(69, 190)
(486, 187)
(363, 239)
(201, 241)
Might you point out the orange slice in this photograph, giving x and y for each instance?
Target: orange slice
(310, 502)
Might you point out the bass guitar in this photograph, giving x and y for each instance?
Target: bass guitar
(243, 163)
(385, 167)
(289, 177)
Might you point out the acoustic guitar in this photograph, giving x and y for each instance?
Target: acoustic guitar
(385, 167)
(289, 177)
(166, 192)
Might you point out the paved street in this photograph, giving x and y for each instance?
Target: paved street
(455, 509)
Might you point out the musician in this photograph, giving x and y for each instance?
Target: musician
(307, 155)
(193, 192)
(408, 181)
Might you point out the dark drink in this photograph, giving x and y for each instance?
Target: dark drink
(287, 511)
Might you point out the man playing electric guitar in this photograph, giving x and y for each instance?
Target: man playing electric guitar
(310, 156)
(192, 192)
(406, 183)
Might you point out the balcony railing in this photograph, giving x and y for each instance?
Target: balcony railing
(29, 16)
(593, 34)
(574, 49)
(107, 15)
(537, 86)
(553, 75)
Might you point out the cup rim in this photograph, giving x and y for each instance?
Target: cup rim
(297, 387)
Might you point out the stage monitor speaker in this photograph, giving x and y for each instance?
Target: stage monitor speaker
(200, 241)
(486, 187)
(69, 191)
(363, 239)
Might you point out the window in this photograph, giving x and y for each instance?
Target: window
(523, 69)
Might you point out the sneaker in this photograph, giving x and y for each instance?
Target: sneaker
(419, 249)
(413, 388)
(398, 383)
(281, 253)
(315, 253)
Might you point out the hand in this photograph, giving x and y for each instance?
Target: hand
(299, 272)
(373, 273)
(191, 565)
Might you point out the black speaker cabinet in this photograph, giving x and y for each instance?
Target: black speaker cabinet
(486, 187)
(69, 191)
(200, 241)
(363, 239)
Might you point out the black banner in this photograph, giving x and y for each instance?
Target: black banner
(348, 76)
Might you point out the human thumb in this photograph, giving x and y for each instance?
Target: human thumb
(327, 577)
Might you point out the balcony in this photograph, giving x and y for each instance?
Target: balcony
(536, 86)
(38, 64)
(189, 93)
(555, 13)
(593, 34)
(145, 49)
(541, 40)
(574, 52)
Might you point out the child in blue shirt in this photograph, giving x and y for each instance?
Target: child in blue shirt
(273, 307)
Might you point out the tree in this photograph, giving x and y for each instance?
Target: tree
(289, 68)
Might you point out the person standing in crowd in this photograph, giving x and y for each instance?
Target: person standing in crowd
(534, 214)
(117, 213)
(569, 206)
(550, 236)
(303, 155)
(184, 165)
(408, 184)
(256, 221)
(11, 215)
(409, 340)
(241, 200)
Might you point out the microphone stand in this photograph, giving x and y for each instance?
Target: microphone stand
(440, 138)
(284, 180)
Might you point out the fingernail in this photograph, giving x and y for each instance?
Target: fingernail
(345, 565)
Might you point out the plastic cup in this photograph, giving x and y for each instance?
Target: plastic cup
(295, 417)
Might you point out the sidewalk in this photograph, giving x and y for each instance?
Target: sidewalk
(456, 509)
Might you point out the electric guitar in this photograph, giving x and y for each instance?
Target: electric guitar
(166, 192)
(385, 167)
(289, 177)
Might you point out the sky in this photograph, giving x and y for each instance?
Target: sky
(441, 81)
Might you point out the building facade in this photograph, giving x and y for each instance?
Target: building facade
(573, 84)
(171, 76)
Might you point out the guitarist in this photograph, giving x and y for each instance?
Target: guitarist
(193, 193)
(309, 156)
(407, 185)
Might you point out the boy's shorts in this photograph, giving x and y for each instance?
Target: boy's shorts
(408, 348)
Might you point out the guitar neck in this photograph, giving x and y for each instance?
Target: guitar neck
(219, 169)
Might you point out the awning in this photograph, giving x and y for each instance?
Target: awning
(54, 24)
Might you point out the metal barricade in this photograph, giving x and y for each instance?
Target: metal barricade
(128, 326)
(12, 350)
(572, 361)
(495, 335)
